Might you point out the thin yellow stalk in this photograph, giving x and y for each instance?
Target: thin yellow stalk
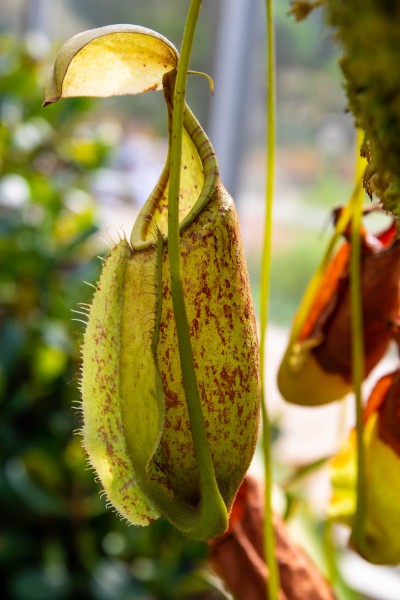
(358, 346)
(269, 533)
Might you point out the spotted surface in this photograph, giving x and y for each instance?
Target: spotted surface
(225, 347)
(103, 430)
(129, 435)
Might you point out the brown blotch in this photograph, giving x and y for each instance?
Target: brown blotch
(387, 392)
(152, 88)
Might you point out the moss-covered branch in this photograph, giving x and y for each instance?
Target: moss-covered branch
(369, 32)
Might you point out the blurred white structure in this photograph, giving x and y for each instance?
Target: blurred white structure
(234, 43)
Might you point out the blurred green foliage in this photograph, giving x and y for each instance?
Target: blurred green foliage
(57, 540)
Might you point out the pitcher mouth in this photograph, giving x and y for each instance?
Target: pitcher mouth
(199, 176)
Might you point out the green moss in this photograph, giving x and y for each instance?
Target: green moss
(369, 32)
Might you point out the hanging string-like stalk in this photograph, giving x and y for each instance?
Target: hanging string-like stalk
(354, 208)
(208, 485)
(269, 534)
(358, 344)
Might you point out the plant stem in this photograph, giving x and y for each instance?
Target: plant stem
(269, 533)
(215, 512)
(358, 346)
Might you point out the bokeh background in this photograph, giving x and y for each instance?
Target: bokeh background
(72, 177)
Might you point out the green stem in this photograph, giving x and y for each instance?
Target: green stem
(214, 515)
(269, 533)
(358, 349)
